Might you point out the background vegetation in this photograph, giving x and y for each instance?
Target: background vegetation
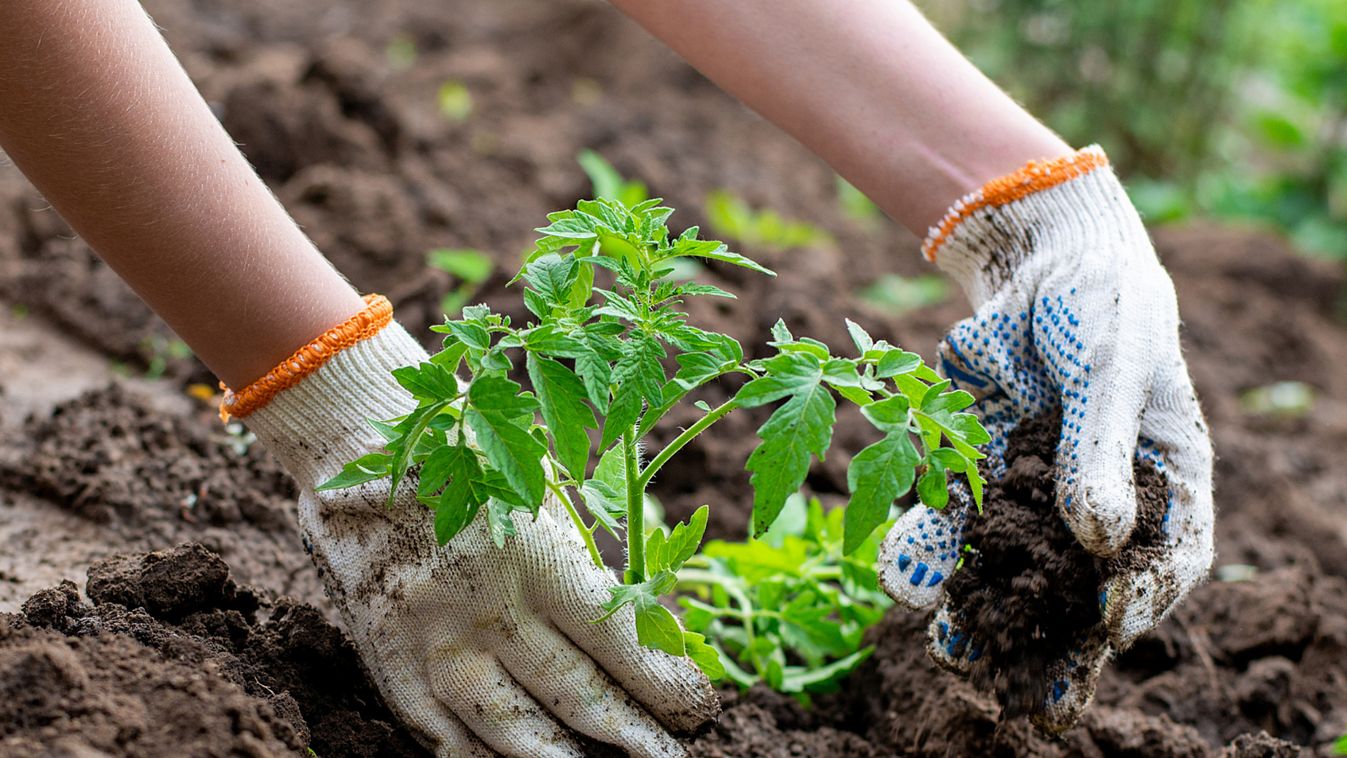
(1229, 108)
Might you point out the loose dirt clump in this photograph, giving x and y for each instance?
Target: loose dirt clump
(173, 657)
(149, 478)
(1028, 588)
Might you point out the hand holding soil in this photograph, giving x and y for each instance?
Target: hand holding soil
(1099, 514)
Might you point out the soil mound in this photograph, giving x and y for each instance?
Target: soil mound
(174, 658)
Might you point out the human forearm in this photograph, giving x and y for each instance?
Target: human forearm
(100, 116)
(870, 86)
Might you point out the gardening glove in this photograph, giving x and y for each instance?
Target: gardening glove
(1073, 309)
(479, 649)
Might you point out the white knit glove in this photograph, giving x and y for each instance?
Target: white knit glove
(1072, 308)
(480, 650)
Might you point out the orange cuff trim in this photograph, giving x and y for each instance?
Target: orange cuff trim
(1034, 177)
(376, 314)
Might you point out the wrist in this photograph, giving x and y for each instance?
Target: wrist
(1073, 205)
(313, 409)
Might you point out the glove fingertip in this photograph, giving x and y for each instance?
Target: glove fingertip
(918, 555)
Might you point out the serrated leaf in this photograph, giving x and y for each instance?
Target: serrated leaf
(695, 369)
(604, 503)
(780, 333)
(840, 372)
(401, 450)
(472, 334)
(501, 415)
(705, 656)
(466, 491)
(561, 396)
(640, 367)
(878, 475)
(428, 381)
(800, 428)
(552, 276)
(787, 374)
(684, 540)
(366, 468)
(622, 415)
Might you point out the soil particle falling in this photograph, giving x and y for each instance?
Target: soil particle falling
(1028, 588)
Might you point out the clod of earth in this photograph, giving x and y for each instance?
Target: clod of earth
(1029, 590)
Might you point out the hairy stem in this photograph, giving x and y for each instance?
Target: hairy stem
(687, 436)
(635, 510)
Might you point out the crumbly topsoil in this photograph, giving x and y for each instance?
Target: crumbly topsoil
(1028, 587)
(174, 658)
(356, 148)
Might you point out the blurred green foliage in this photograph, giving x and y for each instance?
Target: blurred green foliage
(1231, 108)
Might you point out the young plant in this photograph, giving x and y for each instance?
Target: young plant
(788, 609)
(608, 184)
(605, 324)
(471, 267)
(734, 218)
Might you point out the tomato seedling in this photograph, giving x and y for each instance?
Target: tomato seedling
(789, 609)
(596, 355)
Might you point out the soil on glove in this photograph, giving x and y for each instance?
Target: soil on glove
(351, 138)
(1028, 587)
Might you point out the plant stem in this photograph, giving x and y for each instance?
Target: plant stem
(687, 436)
(635, 511)
(700, 576)
(580, 527)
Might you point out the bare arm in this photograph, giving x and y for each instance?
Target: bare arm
(101, 117)
(868, 85)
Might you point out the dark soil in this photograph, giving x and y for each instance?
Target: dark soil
(174, 658)
(1030, 591)
(357, 150)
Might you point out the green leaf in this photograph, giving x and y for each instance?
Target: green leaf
(604, 503)
(595, 371)
(552, 276)
(684, 540)
(705, 656)
(465, 494)
(788, 374)
(805, 680)
(500, 521)
(657, 628)
(562, 397)
(696, 369)
(800, 428)
(500, 415)
(859, 337)
(656, 559)
(640, 367)
(428, 381)
(472, 334)
(933, 486)
(780, 333)
(889, 415)
(605, 181)
(622, 415)
(896, 362)
(366, 468)
(472, 266)
(410, 429)
(878, 475)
